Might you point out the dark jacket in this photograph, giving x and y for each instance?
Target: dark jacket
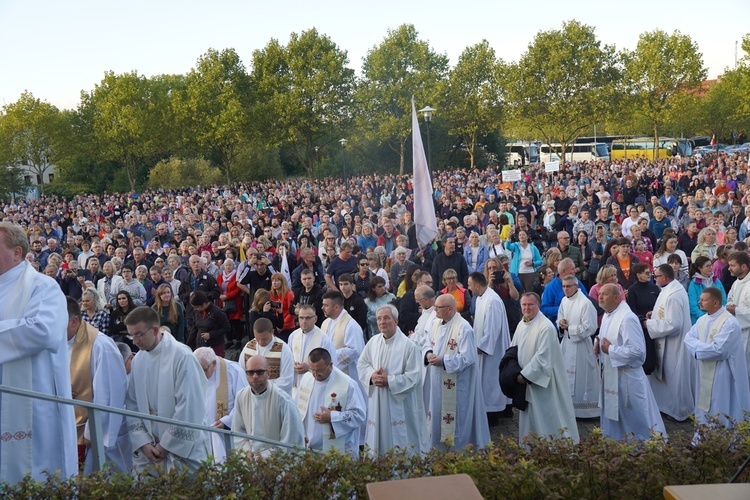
(357, 309)
(212, 320)
(204, 283)
(408, 312)
(510, 369)
(314, 297)
(443, 262)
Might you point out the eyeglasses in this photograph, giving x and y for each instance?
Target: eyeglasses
(139, 335)
(658, 276)
(255, 372)
(364, 264)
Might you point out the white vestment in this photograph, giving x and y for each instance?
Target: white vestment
(169, 382)
(729, 389)
(109, 387)
(33, 334)
(672, 380)
(272, 415)
(236, 381)
(302, 343)
(395, 414)
(421, 337)
(471, 426)
(637, 412)
(578, 353)
(285, 380)
(739, 297)
(493, 339)
(345, 424)
(550, 410)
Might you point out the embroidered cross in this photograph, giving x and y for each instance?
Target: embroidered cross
(452, 344)
(449, 384)
(448, 418)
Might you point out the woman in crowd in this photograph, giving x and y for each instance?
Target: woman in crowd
(544, 275)
(475, 254)
(282, 294)
(701, 279)
(92, 312)
(262, 308)
(93, 270)
(526, 260)
(230, 301)
(499, 278)
(171, 312)
(377, 296)
(582, 242)
(117, 329)
(607, 274)
(706, 244)
(376, 266)
(461, 294)
(642, 294)
(669, 247)
(680, 276)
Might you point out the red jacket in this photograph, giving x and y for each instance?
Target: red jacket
(233, 293)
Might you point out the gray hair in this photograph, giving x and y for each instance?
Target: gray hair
(564, 264)
(205, 354)
(125, 350)
(390, 307)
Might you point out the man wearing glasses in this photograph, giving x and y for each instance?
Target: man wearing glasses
(264, 410)
(165, 380)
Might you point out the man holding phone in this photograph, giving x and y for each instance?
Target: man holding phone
(72, 280)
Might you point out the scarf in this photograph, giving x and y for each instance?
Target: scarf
(226, 278)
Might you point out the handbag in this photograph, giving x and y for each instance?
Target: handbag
(229, 306)
(594, 266)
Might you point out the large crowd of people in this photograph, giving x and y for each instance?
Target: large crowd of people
(307, 312)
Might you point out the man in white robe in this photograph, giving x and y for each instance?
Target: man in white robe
(738, 298)
(425, 296)
(264, 410)
(391, 369)
(304, 339)
(98, 376)
(224, 380)
(667, 324)
(33, 356)
(331, 406)
(628, 406)
(550, 406)
(715, 341)
(276, 352)
(493, 339)
(577, 321)
(165, 380)
(456, 416)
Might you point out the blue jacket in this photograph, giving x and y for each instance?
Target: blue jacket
(695, 288)
(482, 258)
(515, 262)
(553, 295)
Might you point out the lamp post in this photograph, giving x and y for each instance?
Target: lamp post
(427, 114)
(343, 161)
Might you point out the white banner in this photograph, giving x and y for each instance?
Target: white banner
(424, 210)
(511, 175)
(552, 166)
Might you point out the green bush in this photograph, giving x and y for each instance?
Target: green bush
(594, 468)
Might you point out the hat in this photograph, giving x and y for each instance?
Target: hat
(167, 245)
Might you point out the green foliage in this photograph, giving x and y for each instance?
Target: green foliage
(661, 68)
(562, 84)
(400, 67)
(595, 468)
(176, 173)
(12, 183)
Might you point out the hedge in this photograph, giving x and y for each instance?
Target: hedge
(594, 468)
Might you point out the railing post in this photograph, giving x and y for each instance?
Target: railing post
(97, 439)
(228, 442)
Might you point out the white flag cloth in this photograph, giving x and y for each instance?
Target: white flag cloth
(424, 210)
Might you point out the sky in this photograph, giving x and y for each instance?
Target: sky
(55, 49)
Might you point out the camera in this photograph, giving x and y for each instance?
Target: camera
(275, 305)
(498, 277)
(80, 272)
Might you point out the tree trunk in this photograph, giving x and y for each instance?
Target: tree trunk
(656, 140)
(401, 153)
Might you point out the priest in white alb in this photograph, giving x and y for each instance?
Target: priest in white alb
(98, 376)
(304, 339)
(493, 339)
(390, 369)
(266, 411)
(331, 406)
(738, 298)
(550, 406)
(628, 406)
(165, 380)
(425, 297)
(345, 334)
(577, 321)
(224, 380)
(456, 416)
(41, 435)
(672, 379)
(275, 350)
(715, 341)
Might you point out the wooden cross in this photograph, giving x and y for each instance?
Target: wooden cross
(449, 383)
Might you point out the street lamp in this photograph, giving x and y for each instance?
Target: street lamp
(343, 160)
(427, 114)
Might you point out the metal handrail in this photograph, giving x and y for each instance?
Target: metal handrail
(95, 424)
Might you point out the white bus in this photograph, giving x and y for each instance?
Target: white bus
(521, 155)
(591, 151)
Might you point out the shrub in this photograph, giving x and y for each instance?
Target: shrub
(594, 468)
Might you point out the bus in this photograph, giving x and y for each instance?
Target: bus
(521, 155)
(644, 147)
(592, 151)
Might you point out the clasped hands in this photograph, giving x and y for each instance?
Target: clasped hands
(379, 378)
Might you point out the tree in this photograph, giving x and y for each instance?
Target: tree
(307, 91)
(473, 100)
(401, 66)
(176, 173)
(561, 84)
(215, 107)
(661, 67)
(31, 132)
(128, 126)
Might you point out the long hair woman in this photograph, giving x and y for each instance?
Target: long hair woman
(171, 313)
(281, 293)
